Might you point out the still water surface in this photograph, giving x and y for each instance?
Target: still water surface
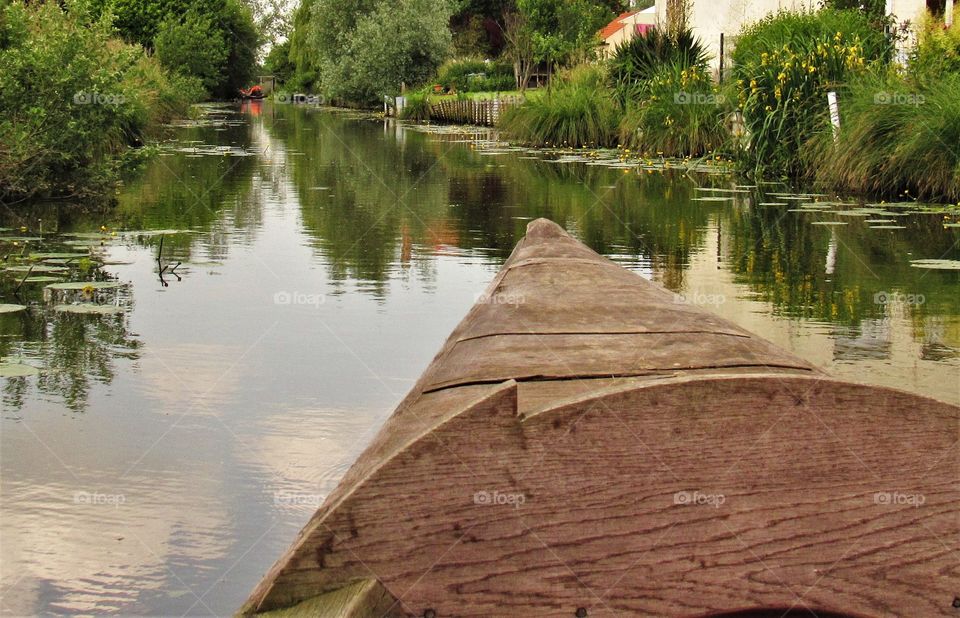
(166, 455)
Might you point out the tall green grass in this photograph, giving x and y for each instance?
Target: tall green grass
(893, 138)
(577, 111)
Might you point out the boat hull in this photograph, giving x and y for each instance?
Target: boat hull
(597, 446)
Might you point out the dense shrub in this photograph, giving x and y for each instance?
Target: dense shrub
(577, 111)
(634, 62)
(475, 75)
(73, 98)
(679, 112)
(784, 65)
(937, 52)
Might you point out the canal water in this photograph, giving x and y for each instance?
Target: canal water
(273, 282)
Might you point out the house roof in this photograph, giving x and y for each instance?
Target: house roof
(616, 25)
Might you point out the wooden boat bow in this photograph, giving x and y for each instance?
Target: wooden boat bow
(584, 444)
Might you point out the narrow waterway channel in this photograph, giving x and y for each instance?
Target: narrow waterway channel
(278, 277)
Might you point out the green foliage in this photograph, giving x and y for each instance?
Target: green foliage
(635, 61)
(896, 134)
(784, 65)
(475, 75)
(417, 107)
(578, 111)
(192, 36)
(73, 98)
(278, 63)
(680, 113)
(937, 51)
(564, 31)
(193, 46)
(360, 51)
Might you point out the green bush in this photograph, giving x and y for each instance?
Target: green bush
(892, 138)
(634, 62)
(475, 75)
(577, 111)
(73, 99)
(680, 112)
(937, 51)
(784, 65)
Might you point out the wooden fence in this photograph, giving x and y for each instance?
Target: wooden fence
(467, 111)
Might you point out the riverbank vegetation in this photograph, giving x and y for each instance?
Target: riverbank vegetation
(74, 98)
(660, 94)
(88, 83)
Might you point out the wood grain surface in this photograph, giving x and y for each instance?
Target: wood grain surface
(639, 458)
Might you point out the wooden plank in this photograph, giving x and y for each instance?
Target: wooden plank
(725, 475)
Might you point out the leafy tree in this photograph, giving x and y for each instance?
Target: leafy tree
(278, 63)
(363, 50)
(193, 46)
(242, 41)
(564, 30)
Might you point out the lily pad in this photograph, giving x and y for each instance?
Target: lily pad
(828, 223)
(79, 285)
(11, 308)
(57, 256)
(936, 264)
(772, 204)
(89, 309)
(17, 370)
(36, 268)
(888, 227)
(879, 221)
(42, 279)
(712, 198)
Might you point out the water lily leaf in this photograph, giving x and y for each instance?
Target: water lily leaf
(17, 370)
(89, 309)
(42, 279)
(36, 268)
(828, 223)
(936, 264)
(879, 221)
(57, 256)
(79, 285)
(772, 204)
(888, 227)
(11, 308)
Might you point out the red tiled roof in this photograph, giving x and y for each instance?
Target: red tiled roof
(616, 25)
